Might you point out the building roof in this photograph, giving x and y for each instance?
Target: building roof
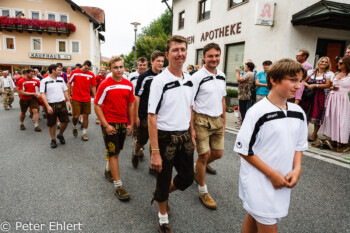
(95, 12)
(325, 14)
(104, 59)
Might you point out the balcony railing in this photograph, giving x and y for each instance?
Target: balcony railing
(35, 25)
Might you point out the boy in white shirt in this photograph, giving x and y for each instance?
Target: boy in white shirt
(271, 142)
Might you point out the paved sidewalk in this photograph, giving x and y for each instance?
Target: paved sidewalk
(344, 158)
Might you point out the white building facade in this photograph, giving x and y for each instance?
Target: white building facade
(262, 29)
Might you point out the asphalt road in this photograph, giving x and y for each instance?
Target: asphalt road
(42, 186)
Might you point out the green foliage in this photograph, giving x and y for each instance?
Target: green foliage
(128, 60)
(232, 93)
(146, 45)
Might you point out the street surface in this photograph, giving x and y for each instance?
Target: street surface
(65, 188)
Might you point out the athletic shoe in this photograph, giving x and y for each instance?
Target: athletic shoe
(152, 171)
(109, 176)
(135, 161)
(122, 194)
(53, 144)
(22, 127)
(164, 228)
(61, 138)
(207, 201)
(211, 170)
(37, 129)
(97, 121)
(75, 132)
(84, 137)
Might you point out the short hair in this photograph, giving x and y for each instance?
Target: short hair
(156, 54)
(115, 59)
(59, 64)
(30, 70)
(281, 68)
(328, 68)
(250, 65)
(211, 46)
(52, 67)
(5, 71)
(267, 63)
(142, 59)
(87, 63)
(79, 65)
(43, 72)
(346, 61)
(177, 39)
(103, 67)
(304, 53)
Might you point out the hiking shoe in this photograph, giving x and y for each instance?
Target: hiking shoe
(135, 161)
(152, 171)
(84, 137)
(61, 138)
(97, 121)
(109, 176)
(75, 132)
(207, 201)
(53, 144)
(210, 170)
(122, 194)
(37, 129)
(22, 127)
(164, 228)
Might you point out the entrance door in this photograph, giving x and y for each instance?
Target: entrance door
(331, 49)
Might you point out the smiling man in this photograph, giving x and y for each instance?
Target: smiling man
(208, 117)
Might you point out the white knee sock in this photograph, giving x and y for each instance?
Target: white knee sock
(202, 189)
(107, 166)
(163, 218)
(117, 183)
(84, 131)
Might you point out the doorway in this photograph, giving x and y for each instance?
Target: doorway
(331, 49)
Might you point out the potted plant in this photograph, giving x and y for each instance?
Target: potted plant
(231, 97)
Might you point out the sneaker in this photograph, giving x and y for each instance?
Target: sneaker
(75, 132)
(84, 137)
(37, 129)
(61, 138)
(109, 176)
(53, 144)
(22, 127)
(97, 121)
(164, 228)
(211, 170)
(122, 194)
(135, 161)
(207, 201)
(152, 171)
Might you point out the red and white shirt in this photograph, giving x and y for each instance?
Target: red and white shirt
(99, 79)
(28, 85)
(82, 83)
(114, 97)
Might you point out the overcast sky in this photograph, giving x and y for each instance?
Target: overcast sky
(119, 14)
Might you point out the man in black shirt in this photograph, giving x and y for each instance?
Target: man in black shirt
(141, 107)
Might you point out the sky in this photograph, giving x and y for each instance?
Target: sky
(120, 34)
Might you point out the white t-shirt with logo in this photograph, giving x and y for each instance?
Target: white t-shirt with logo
(273, 135)
(54, 89)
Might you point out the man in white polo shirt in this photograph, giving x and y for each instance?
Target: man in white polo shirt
(54, 93)
(7, 88)
(169, 115)
(208, 118)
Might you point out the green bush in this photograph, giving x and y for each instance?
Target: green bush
(232, 93)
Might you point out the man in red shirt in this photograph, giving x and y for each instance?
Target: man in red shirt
(114, 105)
(99, 79)
(29, 98)
(79, 86)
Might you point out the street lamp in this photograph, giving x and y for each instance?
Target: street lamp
(135, 29)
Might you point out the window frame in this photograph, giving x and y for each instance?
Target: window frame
(5, 8)
(31, 14)
(71, 46)
(237, 4)
(17, 9)
(5, 44)
(51, 13)
(60, 14)
(197, 53)
(199, 10)
(32, 44)
(183, 25)
(58, 46)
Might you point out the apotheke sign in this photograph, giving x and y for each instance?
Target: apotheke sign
(50, 56)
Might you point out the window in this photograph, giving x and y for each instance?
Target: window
(182, 19)
(204, 9)
(51, 16)
(18, 12)
(34, 14)
(4, 12)
(75, 46)
(9, 43)
(236, 2)
(234, 58)
(63, 18)
(199, 56)
(36, 44)
(61, 46)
